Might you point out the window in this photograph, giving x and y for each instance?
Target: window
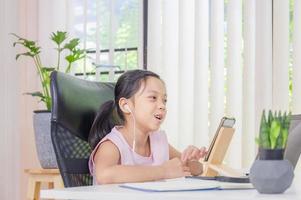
(112, 33)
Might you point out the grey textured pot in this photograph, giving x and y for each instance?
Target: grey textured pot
(45, 151)
(271, 176)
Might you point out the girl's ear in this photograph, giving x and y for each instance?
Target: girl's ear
(124, 106)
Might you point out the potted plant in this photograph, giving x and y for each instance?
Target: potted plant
(41, 118)
(270, 173)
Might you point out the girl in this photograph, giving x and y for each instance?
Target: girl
(136, 150)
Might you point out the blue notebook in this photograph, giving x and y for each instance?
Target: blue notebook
(179, 185)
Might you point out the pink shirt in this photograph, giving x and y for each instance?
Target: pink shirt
(158, 144)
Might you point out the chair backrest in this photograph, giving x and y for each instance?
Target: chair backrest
(293, 147)
(75, 103)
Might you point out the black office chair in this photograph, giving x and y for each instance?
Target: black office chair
(74, 106)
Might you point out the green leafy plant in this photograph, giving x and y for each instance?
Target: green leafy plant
(33, 50)
(273, 131)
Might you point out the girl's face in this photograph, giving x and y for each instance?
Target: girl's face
(150, 105)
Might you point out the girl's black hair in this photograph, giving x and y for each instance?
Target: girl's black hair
(110, 113)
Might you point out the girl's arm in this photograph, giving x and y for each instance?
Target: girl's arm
(195, 167)
(108, 170)
(173, 153)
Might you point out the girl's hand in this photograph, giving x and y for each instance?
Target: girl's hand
(175, 168)
(193, 153)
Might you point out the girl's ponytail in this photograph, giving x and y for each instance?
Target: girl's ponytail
(103, 123)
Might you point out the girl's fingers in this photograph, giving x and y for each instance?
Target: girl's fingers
(203, 149)
(186, 169)
(202, 152)
(183, 155)
(186, 154)
(205, 153)
(189, 152)
(187, 174)
(194, 154)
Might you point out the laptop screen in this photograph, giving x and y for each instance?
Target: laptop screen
(293, 147)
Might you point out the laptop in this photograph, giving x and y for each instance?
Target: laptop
(293, 147)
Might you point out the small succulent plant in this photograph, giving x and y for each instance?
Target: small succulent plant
(273, 131)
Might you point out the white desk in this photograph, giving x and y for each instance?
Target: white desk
(113, 192)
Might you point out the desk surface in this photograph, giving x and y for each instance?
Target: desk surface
(115, 192)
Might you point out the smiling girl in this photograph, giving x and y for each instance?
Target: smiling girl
(128, 145)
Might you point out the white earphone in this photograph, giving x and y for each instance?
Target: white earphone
(127, 107)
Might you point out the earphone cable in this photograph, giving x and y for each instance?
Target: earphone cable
(134, 131)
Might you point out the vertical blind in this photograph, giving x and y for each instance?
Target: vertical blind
(296, 75)
(224, 58)
(234, 75)
(201, 74)
(186, 68)
(169, 51)
(216, 67)
(248, 112)
(280, 54)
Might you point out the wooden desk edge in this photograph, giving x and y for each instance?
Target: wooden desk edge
(42, 171)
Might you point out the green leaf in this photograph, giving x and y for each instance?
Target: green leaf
(288, 121)
(32, 46)
(279, 140)
(72, 44)
(15, 35)
(284, 136)
(35, 94)
(270, 118)
(70, 58)
(59, 37)
(283, 120)
(24, 54)
(15, 43)
(76, 55)
(274, 132)
(49, 69)
(264, 141)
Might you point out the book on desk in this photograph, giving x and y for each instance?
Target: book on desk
(185, 184)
